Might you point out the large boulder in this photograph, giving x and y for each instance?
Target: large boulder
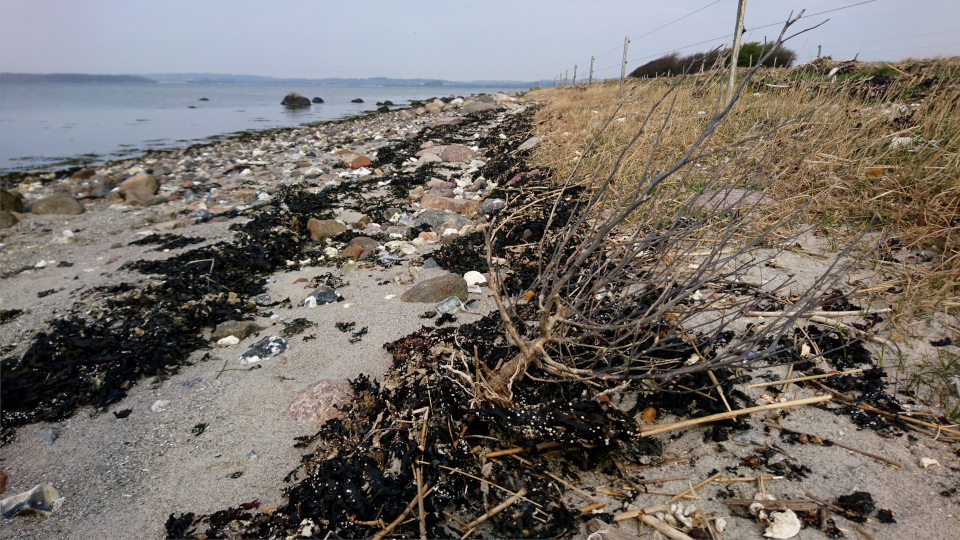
(141, 183)
(11, 200)
(437, 289)
(58, 204)
(317, 100)
(479, 106)
(294, 99)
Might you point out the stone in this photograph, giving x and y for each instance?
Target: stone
(83, 174)
(324, 228)
(321, 296)
(442, 184)
(460, 206)
(143, 198)
(143, 183)
(449, 305)
(58, 204)
(474, 278)
(7, 219)
(11, 200)
(529, 144)
(317, 100)
(294, 99)
(480, 106)
(49, 435)
(238, 329)
(730, 199)
(40, 501)
(352, 252)
(428, 158)
(491, 206)
(432, 108)
(437, 289)
(360, 161)
(457, 153)
(364, 242)
(228, 341)
(317, 403)
(357, 100)
(398, 231)
(267, 347)
(352, 217)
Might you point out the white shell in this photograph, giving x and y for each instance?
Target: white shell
(785, 524)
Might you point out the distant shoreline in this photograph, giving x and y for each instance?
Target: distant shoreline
(72, 78)
(214, 78)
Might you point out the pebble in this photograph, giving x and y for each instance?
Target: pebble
(321, 296)
(267, 347)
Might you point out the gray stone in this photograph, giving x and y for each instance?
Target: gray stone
(317, 100)
(437, 289)
(294, 99)
(449, 305)
(428, 158)
(7, 219)
(457, 153)
(11, 200)
(143, 198)
(351, 217)
(364, 242)
(267, 347)
(491, 206)
(529, 144)
(58, 204)
(238, 329)
(400, 231)
(324, 228)
(453, 221)
(322, 296)
(479, 106)
(49, 435)
(40, 501)
(430, 263)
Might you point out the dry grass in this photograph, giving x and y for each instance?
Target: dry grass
(846, 161)
(840, 155)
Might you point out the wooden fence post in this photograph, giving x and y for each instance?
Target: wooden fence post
(589, 82)
(623, 65)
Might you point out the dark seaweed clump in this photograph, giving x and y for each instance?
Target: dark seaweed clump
(167, 241)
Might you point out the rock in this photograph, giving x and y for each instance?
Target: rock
(321, 296)
(83, 174)
(11, 200)
(460, 206)
(479, 106)
(49, 435)
(7, 219)
(352, 252)
(317, 403)
(433, 108)
(529, 144)
(267, 347)
(398, 231)
(294, 99)
(142, 183)
(364, 242)
(449, 305)
(40, 501)
(358, 100)
(445, 121)
(228, 341)
(785, 524)
(58, 204)
(238, 329)
(143, 198)
(317, 100)
(352, 217)
(457, 153)
(730, 199)
(360, 161)
(428, 158)
(474, 278)
(437, 289)
(491, 206)
(324, 228)
(159, 405)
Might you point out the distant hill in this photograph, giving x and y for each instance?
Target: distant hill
(221, 78)
(71, 78)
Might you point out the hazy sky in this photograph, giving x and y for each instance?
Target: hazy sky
(450, 39)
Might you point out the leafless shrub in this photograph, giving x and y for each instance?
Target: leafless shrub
(634, 280)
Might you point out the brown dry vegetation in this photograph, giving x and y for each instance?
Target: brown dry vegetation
(837, 154)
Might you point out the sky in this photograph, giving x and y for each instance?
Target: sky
(458, 40)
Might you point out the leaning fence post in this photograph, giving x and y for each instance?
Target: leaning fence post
(623, 66)
(590, 81)
(574, 74)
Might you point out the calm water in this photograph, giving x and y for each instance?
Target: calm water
(44, 125)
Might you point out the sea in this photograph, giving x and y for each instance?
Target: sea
(49, 126)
